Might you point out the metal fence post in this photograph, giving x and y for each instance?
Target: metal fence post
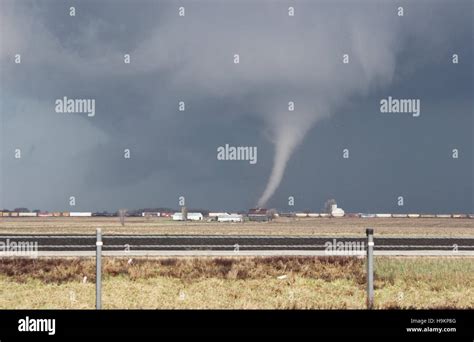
(370, 268)
(98, 270)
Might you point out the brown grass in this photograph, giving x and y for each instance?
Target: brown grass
(187, 269)
(245, 283)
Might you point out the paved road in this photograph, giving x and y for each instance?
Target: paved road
(71, 245)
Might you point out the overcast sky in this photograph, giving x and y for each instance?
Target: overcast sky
(282, 58)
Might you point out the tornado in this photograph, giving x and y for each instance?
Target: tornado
(283, 149)
(286, 135)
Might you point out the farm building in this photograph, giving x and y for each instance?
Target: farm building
(191, 217)
(230, 218)
(216, 214)
(260, 215)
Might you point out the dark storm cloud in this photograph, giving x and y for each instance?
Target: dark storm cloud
(174, 153)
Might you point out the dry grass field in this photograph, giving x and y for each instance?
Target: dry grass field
(281, 226)
(235, 283)
(239, 283)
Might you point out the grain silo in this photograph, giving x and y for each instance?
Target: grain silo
(184, 213)
(336, 212)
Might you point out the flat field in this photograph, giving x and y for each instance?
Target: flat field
(237, 283)
(447, 227)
